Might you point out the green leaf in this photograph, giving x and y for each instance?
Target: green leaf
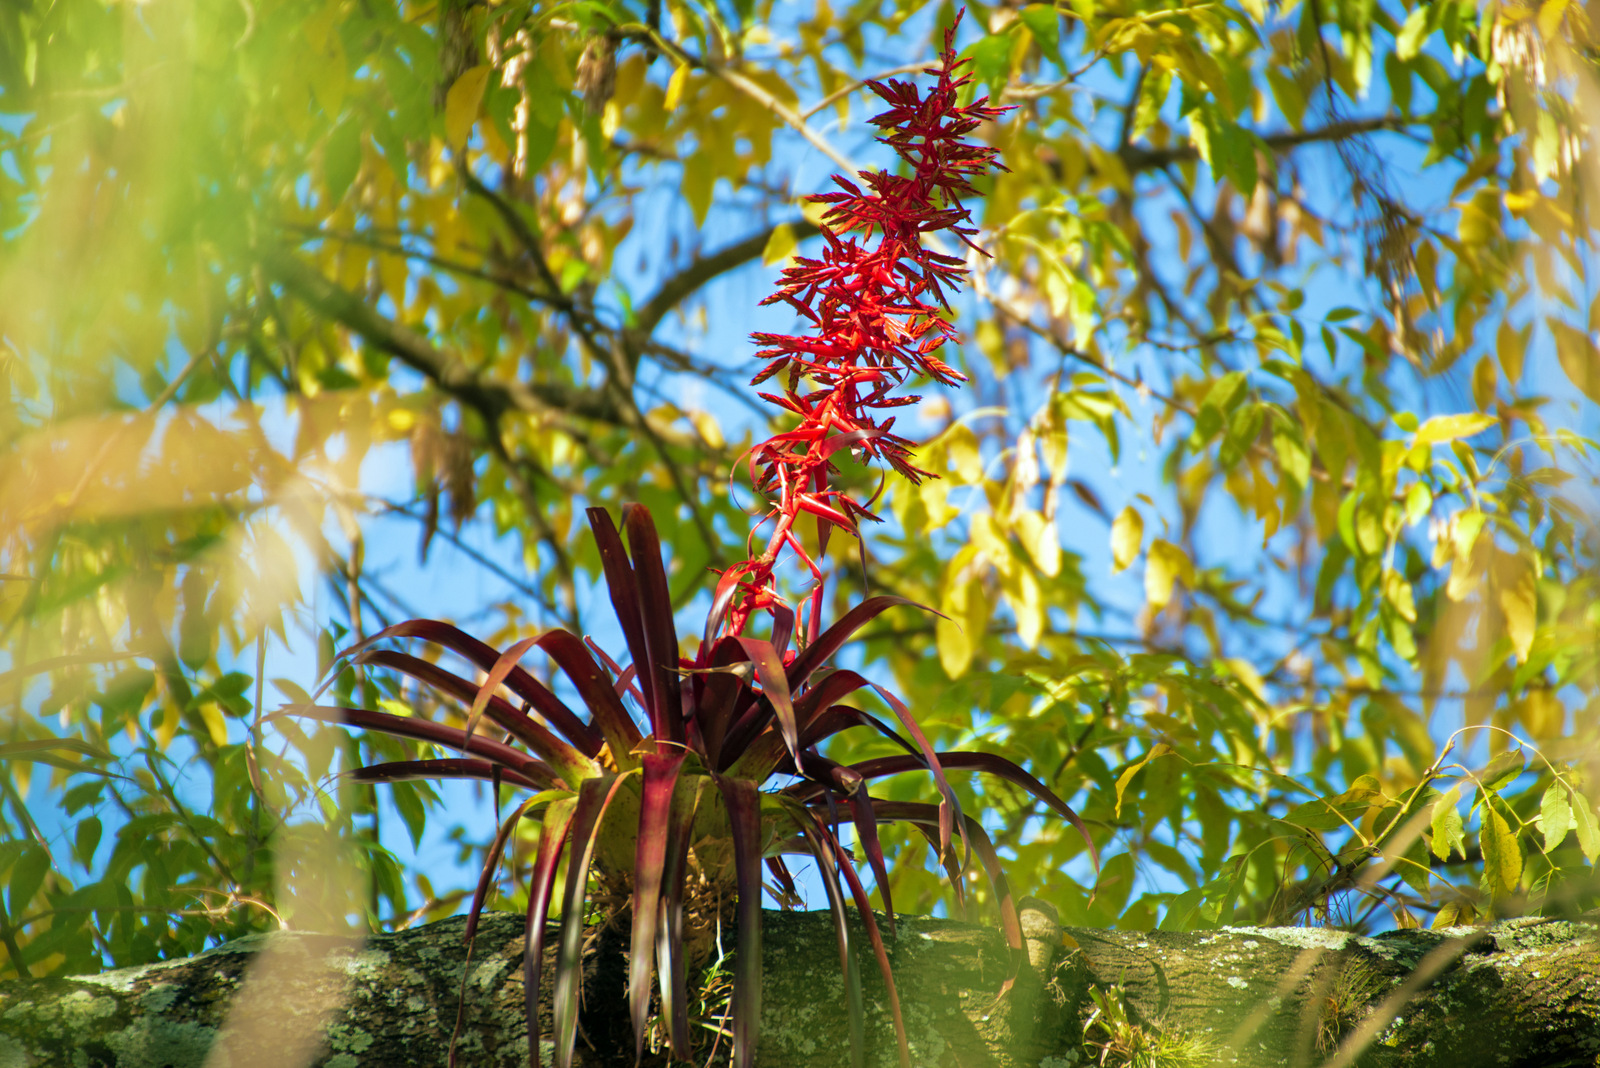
(1555, 815)
(341, 160)
(1220, 400)
(1159, 749)
(27, 875)
(1337, 810)
(86, 839)
(1045, 25)
(1502, 855)
(1293, 456)
(991, 58)
(293, 691)
(1289, 97)
(1448, 838)
(1127, 536)
(1584, 823)
(1503, 769)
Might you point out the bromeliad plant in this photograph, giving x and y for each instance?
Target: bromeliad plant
(722, 771)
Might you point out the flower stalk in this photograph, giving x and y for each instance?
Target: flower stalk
(877, 305)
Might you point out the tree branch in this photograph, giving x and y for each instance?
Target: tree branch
(1139, 160)
(416, 352)
(677, 288)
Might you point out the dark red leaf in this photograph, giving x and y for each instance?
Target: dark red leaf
(422, 731)
(599, 695)
(484, 657)
(870, 922)
(491, 864)
(451, 768)
(541, 883)
(988, 763)
(594, 797)
(660, 633)
(623, 587)
(743, 802)
(671, 957)
(923, 814)
(724, 695)
(544, 744)
(823, 847)
(831, 640)
(950, 807)
(775, 689)
(505, 665)
(655, 812)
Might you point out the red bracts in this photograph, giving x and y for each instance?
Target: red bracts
(873, 303)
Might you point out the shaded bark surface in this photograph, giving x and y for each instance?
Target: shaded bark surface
(1525, 992)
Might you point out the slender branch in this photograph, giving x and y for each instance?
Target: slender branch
(675, 289)
(838, 94)
(1138, 159)
(489, 401)
(746, 86)
(620, 382)
(416, 352)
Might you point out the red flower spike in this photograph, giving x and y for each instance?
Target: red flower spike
(873, 301)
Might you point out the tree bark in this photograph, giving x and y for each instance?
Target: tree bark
(1523, 992)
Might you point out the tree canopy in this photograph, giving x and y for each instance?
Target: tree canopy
(1262, 537)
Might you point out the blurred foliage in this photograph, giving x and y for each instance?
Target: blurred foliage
(1289, 313)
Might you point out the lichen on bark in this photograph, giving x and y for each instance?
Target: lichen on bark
(1524, 992)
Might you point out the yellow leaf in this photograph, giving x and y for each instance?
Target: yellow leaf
(1576, 353)
(955, 648)
(1520, 602)
(167, 728)
(1550, 15)
(1450, 427)
(216, 726)
(392, 271)
(1043, 541)
(698, 181)
(329, 75)
(1397, 591)
(1166, 563)
(1028, 605)
(779, 246)
(1246, 673)
(708, 428)
(1127, 535)
(461, 104)
(991, 541)
(1502, 857)
(1159, 749)
(962, 446)
(675, 84)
